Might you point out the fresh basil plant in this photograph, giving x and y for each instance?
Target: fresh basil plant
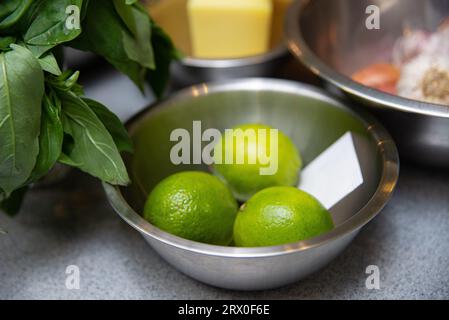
(44, 116)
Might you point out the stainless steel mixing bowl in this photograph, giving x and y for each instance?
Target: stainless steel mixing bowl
(331, 39)
(312, 119)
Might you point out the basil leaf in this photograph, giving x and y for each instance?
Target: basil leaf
(65, 82)
(94, 150)
(39, 51)
(166, 53)
(113, 125)
(100, 16)
(131, 69)
(11, 11)
(21, 92)
(5, 43)
(48, 63)
(51, 136)
(126, 14)
(139, 48)
(84, 9)
(65, 159)
(48, 23)
(7, 8)
(136, 43)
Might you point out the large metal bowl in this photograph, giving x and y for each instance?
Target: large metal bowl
(331, 39)
(312, 119)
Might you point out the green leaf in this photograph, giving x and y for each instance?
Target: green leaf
(126, 13)
(139, 48)
(132, 69)
(135, 40)
(72, 79)
(105, 38)
(65, 159)
(165, 54)
(39, 51)
(48, 23)
(21, 92)
(51, 136)
(136, 43)
(11, 11)
(48, 63)
(7, 7)
(5, 43)
(113, 125)
(84, 9)
(65, 82)
(13, 203)
(94, 150)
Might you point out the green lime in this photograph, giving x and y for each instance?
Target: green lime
(280, 215)
(250, 160)
(193, 205)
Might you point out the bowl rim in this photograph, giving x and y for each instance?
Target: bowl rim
(300, 49)
(387, 183)
(277, 52)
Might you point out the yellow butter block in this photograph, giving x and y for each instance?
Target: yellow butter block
(229, 28)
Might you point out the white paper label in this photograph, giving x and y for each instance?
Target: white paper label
(334, 174)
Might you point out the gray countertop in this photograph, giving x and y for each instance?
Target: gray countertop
(72, 224)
